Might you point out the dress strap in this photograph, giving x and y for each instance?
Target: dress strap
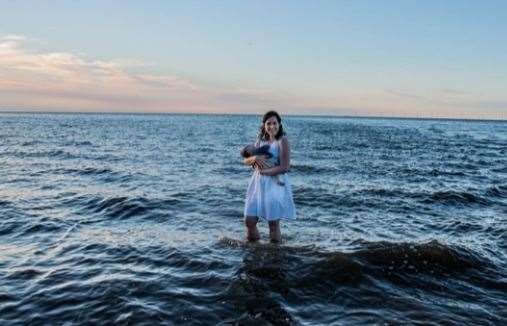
(279, 143)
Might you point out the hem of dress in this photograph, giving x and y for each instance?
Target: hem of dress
(276, 219)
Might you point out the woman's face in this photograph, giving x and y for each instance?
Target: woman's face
(271, 126)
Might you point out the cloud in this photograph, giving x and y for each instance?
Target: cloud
(67, 81)
(10, 43)
(13, 37)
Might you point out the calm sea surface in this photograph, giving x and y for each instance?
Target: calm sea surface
(137, 219)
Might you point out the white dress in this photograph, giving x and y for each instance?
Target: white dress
(265, 198)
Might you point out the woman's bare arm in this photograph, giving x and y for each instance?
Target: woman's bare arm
(284, 160)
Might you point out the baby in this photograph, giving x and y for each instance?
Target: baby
(251, 150)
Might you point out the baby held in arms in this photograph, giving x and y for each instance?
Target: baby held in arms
(251, 150)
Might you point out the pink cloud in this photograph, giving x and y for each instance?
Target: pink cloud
(66, 81)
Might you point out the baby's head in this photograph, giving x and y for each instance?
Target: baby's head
(250, 150)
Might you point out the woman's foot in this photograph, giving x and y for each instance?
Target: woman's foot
(275, 235)
(252, 233)
(252, 238)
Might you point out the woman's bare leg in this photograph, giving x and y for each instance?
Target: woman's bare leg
(252, 234)
(274, 231)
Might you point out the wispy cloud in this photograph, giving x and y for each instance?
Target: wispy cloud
(9, 43)
(13, 37)
(67, 81)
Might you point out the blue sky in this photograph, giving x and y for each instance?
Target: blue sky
(372, 58)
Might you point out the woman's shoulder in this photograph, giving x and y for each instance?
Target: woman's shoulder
(283, 140)
(283, 143)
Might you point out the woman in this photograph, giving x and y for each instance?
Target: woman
(267, 198)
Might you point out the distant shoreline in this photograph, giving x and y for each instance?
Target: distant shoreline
(259, 114)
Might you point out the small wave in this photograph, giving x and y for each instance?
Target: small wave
(325, 131)
(88, 171)
(17, 221)
(31, 143)
(322, 198)
(455, 197)
(427, 257)
(24, 274)
(431, 257)
(500, 170)
(361, 145)
(123, 207)
(306, 196)
(327, 148)
(5, 203)
(460, 227)
(381, 192)
(53, 153)
(79, 143)
(60, 154)
(443, 197)
(105, 174)
(120, 207)
(95, 171)
(436, 173)
(358, 199)
(462, 166)
(497, 191)
(233, 170)
(308, 169)
(42, 227)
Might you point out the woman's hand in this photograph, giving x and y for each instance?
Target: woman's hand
(257, 161)
(249, 160)
(260, 162)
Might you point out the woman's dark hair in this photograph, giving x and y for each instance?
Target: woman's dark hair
(263, 135)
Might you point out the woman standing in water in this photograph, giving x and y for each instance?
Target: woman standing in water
(267, 197)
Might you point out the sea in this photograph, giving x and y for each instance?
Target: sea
(137, 219)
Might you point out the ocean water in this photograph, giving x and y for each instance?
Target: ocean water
(137, 219)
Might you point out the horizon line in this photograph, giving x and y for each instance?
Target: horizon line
(257, 114)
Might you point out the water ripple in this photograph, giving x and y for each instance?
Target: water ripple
(137, 219)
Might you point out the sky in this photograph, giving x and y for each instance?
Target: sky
(346, 58)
